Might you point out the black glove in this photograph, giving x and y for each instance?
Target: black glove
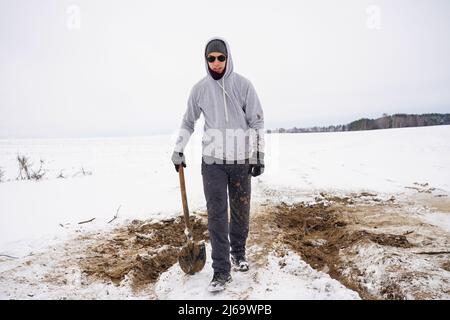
(256, 164)
(178, 159)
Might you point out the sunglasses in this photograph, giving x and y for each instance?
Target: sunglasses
(221, 58)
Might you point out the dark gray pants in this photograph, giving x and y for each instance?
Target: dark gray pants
(224, 232)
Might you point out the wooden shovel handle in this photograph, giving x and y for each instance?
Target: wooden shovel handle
(184, 198)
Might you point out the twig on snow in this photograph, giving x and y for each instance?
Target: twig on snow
(433, 252)
(116, 215)
(8, 256)
(87, 221)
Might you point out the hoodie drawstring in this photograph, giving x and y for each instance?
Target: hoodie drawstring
(224, 98)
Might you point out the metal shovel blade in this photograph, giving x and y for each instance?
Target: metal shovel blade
(192, 257)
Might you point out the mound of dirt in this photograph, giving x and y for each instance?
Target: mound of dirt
(347, 237)
(319, 232)
(141, 250)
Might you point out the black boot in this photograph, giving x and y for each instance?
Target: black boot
(219, 281)
(239, 263)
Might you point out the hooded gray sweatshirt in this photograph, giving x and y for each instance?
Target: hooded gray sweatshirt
(234, 119)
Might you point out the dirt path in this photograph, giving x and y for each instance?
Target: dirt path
(380, 247)
(131, 256)
(140, 251)
(376, 247)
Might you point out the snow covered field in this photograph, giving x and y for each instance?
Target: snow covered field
(135, 178)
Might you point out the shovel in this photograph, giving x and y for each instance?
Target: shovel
(192, 256)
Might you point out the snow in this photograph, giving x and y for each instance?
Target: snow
(420, 276)
(33, 280)
(137, 175)
(377, 160)
(296, 280)
(441, 219)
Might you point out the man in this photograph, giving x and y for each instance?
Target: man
(232, 152)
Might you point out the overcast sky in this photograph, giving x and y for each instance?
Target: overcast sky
(101, 67)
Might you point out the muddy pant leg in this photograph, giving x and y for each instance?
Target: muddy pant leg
(215, 188)
(239, 187)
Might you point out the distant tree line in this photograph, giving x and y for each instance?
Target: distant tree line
(399, 120)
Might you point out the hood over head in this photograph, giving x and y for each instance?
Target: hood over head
(229, 64)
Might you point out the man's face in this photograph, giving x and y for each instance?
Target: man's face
(217, 65)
